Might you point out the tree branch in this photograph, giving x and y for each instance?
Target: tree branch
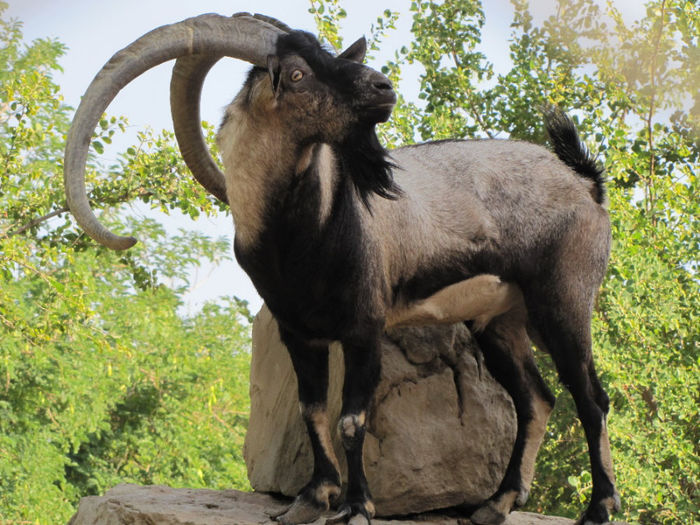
(37, 221)
(470, 94)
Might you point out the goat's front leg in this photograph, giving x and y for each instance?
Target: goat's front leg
(311, 366)
(362, 368)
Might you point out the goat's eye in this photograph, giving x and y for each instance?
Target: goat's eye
(297, 75)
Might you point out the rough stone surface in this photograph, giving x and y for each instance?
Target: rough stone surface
(440, 430)
(159, 505)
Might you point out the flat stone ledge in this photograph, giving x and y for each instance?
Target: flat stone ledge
(161, 505)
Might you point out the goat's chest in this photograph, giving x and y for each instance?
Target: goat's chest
(314, 286)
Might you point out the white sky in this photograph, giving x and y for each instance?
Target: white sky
(95, 30)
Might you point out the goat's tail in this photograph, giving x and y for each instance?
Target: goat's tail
(573, 152)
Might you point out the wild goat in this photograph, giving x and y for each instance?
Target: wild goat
(343, 239)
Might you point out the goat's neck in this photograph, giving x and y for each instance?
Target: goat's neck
(261, 165)
(257, 161)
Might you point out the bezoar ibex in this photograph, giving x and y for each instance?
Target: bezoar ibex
(343, 239)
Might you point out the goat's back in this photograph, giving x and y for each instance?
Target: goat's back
(494, 172)
(468, 197)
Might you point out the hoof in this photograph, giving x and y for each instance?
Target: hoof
(342, 515)
(615, 504)
(301, 511)
(599, 513)
(496, 509)
(353, 514)
(488, 514)
(522, 497)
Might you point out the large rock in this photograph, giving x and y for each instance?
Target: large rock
(440, 430)
(158, 505)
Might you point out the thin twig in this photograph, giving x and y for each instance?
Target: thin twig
(37, 221)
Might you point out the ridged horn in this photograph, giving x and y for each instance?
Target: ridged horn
(242, 37)
(185, 96)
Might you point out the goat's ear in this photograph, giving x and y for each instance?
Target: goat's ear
(356, 52)
(273, 69)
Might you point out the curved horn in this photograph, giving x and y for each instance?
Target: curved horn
(185, 94)
(272, 21)
(241, 37)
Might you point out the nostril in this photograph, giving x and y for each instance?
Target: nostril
(383, 85)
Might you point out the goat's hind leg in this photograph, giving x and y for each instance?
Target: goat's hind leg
(508, 356)
(560, 309)
(567, 337)
(311, 367)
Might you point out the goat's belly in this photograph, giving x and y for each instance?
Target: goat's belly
(477, 299)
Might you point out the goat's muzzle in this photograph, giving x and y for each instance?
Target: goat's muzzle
(380, 97)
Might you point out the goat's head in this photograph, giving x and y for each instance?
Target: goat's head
(303, 80)
(323, 97)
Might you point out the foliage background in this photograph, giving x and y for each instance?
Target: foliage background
(102, 380)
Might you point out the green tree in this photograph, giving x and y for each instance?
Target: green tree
(101, 380)
(633, 92)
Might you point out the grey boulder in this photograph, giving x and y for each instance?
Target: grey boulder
(440, 430)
